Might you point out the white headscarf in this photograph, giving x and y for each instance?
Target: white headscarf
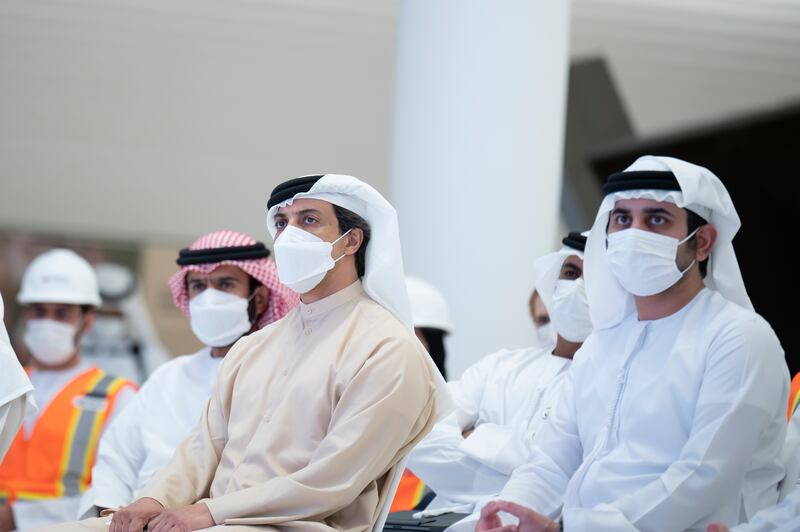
(547, 269)
(701, 192)
(14, 381)
(383, 280)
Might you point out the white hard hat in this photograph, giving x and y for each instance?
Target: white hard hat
(59, 276)
(115, 281)
(428, 306)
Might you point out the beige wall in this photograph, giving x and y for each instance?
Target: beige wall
(163, 119)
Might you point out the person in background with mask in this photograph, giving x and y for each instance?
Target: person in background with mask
(228, 287)
(48, 466)
(545, 333)
(123, 340)
(16, 390)
(505, 399)
(311, 415)
(673, 414)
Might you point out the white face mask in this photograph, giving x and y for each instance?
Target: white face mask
(50, 342)
(218, 318)
(644, 262)
(303, 259)
(546, 335)
(569, 310)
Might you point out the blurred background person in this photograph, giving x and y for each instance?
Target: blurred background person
(123, 340)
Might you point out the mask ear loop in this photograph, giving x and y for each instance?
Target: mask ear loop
(335, 241)
(689, 267)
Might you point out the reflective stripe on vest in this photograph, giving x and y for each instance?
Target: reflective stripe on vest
(409, 492)
(57, 459)
(794, 396)
(84, 433)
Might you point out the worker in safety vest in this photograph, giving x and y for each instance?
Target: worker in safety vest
(50, 461)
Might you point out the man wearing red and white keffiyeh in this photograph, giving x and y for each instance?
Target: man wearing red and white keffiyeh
(228, 287)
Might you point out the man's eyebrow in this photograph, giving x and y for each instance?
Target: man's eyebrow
(309, 211)
(621, 210)
(226, 278)
(658, 210)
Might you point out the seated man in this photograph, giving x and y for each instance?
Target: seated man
(503, 400)
(673, 414)
(228, 287)
(310, 415)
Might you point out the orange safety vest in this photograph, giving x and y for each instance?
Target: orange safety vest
(57, 459)
(409, 493)
(794, 396)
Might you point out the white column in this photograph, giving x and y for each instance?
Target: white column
(477, 157)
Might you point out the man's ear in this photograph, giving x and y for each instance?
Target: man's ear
(88, 322)
(706, 236)
(354, 240)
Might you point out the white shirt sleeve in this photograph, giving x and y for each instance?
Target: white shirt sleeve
(439, 460)
(541, 483)
(11, 415)
(501, 447)
(120, 455)
(467, 392)
(447, 470)
(783, 517)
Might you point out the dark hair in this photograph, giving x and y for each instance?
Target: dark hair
(694, 221)
(251, 307)
(435, 340)
(350, 220)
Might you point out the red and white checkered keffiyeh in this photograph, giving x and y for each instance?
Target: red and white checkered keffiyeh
(281, 299)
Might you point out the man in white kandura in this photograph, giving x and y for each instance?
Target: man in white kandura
(673, 413)
(503, 400)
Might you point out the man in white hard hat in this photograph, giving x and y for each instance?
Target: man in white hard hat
(123, 340)
(504, 399)
(49, 463)
(431, 319)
